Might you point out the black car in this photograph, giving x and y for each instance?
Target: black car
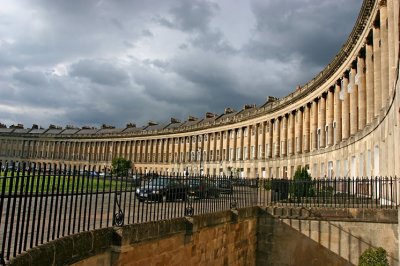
(162, 189)
(136, 180)
(203, 188)
(225, 186)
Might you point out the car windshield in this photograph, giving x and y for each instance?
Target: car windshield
(159, 182)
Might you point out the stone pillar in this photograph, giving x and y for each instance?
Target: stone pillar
(369, 80)
(314, 124)
(256, 135)
(234, 142)
(264, 134)
(361, 82)
(299, 130)
(384, 52)
(271, 134)
(345, 109)
(391, 44)
(291, 132)
(353, 91)
(306, 128)
(337, 114)
(322, 120)
(329, 115)
(248, 142)
(277, 137)
(377, 69)
(283, 149)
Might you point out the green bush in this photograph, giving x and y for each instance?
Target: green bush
(374, 257)
(302, 185)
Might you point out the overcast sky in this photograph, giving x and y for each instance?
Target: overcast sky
(118, 61)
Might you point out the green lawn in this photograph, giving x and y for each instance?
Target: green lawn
(52, 184)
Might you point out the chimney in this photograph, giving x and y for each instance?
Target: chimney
(130, 125)
(174, 120)
(192, 118)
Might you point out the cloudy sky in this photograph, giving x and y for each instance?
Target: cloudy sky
(117, 61)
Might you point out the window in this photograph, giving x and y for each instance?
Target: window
(253, 153)
(259, 151)
(245, 153)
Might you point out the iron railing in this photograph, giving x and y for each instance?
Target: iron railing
(43, 202)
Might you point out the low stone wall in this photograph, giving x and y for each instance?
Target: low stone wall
(251, 236)
(224, 238)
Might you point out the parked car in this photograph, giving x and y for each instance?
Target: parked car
(136, 180)
(225, 186)
(162, 189)
(203, 188)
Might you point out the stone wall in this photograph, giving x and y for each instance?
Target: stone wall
(324, 236)
(251, 236)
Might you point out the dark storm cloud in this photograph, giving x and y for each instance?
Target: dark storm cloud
(192, 16)
(100, 72)
(195, 17)
(313, 31)
(102, 61)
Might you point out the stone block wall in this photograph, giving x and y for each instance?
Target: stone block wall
(300, 236)
(250, 236)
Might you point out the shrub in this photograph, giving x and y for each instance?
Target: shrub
(374, 257)
(302, 185)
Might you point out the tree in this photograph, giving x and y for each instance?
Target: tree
(120, 166)
(302, 185)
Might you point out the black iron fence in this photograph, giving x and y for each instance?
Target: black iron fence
(43, 202)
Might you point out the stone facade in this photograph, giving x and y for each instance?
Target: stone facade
(344, 122)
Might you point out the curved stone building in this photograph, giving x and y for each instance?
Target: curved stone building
(344, 122)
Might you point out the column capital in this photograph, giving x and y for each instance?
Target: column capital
(383, 3)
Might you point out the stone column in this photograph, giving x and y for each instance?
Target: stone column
(234, 144)
(241, 143)
(227, 145)
(277, 137)
(256, 135)
(329, 115)
(361, 82)
(353, 91)
(264, 134)
(299, 130)
(384, 52)
(337, 114)
(322, 119)
(345, 109)
(391, 44)
(306, 128)
(292, 133)
(377, 68)
(369, 80)
(270, 137)
(314, 124)
(248, 142)
(284, 127)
